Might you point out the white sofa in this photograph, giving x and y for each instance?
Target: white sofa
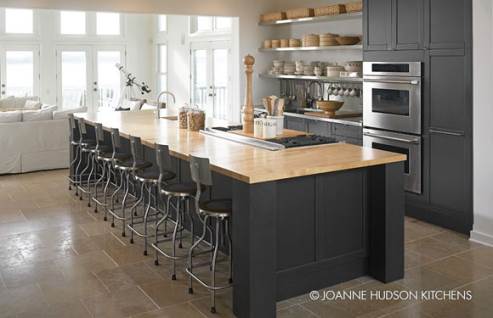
(33, 139)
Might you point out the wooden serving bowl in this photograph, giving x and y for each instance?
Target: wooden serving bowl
(329, 106)
(348, 40)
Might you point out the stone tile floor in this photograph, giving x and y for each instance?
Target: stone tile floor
(59, 259)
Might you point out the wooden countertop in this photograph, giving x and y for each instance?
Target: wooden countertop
(242, 162)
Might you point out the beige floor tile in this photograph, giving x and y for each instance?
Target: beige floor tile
(167, 293)
(123, 303)
(224, 305)
(181, 310)
(462, 270)
(71, 290)
(81, 265)
(412, 259)
(458, 239)
(295, 312)
(434, 249)
(413, 311)
(481, 256)
(11, 215)
(30, 273)
(422, 278)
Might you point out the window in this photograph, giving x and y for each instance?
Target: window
(204, 24)
(19, 73)
(162, 23)
(222, 23)
(163, 67)
(73, 79)
(210, 24)
(72, 23)
(19, 21)
(107, 23)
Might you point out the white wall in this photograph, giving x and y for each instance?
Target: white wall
(483, 114)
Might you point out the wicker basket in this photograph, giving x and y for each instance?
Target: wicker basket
(330, 10)
(272, 16)
(294, 42)
(284, 43)
(267, 44)
(354, 6)
(275, 44)
(299, 13)
(311, 40)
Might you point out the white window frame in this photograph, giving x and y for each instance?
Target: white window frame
(91, 30)
(158, 63)
(36, 61)
(214, 31)
(158, 24)
(21, 37)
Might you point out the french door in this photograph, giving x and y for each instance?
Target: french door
(19, 71)
(211, 78)
(88, 76)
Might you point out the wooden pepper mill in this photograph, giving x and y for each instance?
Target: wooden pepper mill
(247, 111)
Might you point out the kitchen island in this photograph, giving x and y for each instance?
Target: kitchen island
(303, 218)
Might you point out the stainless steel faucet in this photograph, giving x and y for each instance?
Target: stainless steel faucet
(311, 99)
(159, 104)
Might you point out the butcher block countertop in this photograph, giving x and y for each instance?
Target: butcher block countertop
(242, 162)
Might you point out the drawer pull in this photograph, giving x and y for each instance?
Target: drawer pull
(444, 132)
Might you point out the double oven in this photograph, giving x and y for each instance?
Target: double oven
(392, 105)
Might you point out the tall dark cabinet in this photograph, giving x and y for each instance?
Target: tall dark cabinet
(440, 33)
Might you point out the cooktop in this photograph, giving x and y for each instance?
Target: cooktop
(303, 141)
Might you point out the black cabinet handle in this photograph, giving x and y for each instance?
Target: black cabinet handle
(446, 132)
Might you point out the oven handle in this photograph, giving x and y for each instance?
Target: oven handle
(407, 141)
(410, 82)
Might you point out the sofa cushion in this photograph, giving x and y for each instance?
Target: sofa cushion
(62, 114)
(16, 103)
(10, 117)
(32, 105)
(37, 115)
(7, 103)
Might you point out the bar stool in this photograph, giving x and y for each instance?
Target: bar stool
(126, 169)
(150, 182)
(218, 211)
(100, 160)
(87, 147)
(111, 160)
(74, 138)
(182, 193)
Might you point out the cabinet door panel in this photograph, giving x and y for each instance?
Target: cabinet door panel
(318, 127)
(449, 97)
(296, 123)
(408, 24)
(448, 171)
(448, 23)
(377, 24)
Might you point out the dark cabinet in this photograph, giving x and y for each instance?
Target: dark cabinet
(448, 23)
(377, 21)
(407, 24)
(449, 89)
(319, 127)
(393, 24)
(348, 133)
(295, 123)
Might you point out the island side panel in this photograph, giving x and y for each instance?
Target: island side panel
(254, 249)
(387, 205)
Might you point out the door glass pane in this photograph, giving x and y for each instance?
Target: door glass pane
(72, 23)
(19, 71)
(199, 61)
(223, 23)
(73, 79)
(390, 101)
(162, 23)
(163, 59)
(220, 83)
(109, 81)
(107, 23)
(18, 21)
(163, 82)
(204, 24)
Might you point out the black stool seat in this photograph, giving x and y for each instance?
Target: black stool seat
(87, 142)
(181, 189)
(217, 208)
(151, 176)
(102, 149)
(130, 165)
